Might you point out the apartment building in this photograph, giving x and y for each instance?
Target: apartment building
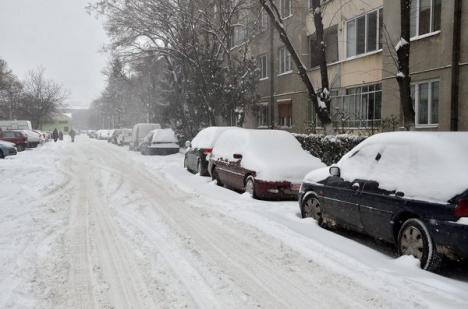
(360, 38)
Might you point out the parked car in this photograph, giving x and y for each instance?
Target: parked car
(8, 125)
(198, 150)
(406, 188)
(267, 164)
(33, 138)
(7, 149)
(160, 142)
(103, 134)
(139, 131)
(110, 136)
(124, 137)
(16, 137)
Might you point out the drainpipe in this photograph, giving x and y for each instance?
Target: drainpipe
(272, 74)
(455, 91)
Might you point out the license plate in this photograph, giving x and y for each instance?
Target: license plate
(295, 186)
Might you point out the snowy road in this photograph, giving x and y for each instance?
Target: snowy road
(92, 225)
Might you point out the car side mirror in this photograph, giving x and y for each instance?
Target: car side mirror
(237, 156)
(188, 144)
(335, 171)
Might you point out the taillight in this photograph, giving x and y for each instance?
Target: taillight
(207, 151)
(462, 208)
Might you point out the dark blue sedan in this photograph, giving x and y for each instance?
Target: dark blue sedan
(406, 188)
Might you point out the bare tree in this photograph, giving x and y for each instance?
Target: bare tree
(320, 107)
(403, 55)
(41, 97)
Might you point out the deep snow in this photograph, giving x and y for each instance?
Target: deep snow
(92, 225)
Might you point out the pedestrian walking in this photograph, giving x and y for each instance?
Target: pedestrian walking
(72, 135)
(55, 135)
(60, 135)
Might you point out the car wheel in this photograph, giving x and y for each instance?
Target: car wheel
(414, 239)
(250, 186)
(199, 167)
(311, 208)
(216, 177)
(2, 156)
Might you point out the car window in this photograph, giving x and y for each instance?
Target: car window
(361, 163)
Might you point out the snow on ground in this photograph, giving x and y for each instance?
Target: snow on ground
(92, 225)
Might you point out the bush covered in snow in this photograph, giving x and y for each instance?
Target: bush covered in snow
(328, 148)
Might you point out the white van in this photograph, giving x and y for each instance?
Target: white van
(15, 125)
(140, 130)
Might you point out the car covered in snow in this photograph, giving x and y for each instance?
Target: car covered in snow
(267, 164)
(139, 131)
(7, 149)
(33, 138)
(160, 142)
(123, 137)
(198, 150)
(406, 188)
(16, 137)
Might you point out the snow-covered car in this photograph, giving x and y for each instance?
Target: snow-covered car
(160, 142)
(16, 137)
(139, 131)
(7, 149)
(407, 188)
(198, 150)
(124, 137)
(267, 164)
(33, 138)
(104, 134)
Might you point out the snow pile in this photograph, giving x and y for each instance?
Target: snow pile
(402, 42)
(273, 154)
(207, 137)
(426, 166)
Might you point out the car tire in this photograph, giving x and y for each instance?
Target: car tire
(216, 177)
(249, 186)
(2, 156)
(414, 239)
(310, 208)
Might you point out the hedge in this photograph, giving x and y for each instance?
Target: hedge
(328, 148)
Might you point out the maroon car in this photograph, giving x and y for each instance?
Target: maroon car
(15, 137)
(267, 164)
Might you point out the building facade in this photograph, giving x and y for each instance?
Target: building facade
(360, 38)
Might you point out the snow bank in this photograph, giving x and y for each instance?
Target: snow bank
(273, 154)
(426, 166)
(207, 137)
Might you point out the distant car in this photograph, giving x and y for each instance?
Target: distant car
(7, 149)
(103, 134)
(267, 164)
(110, 136)
(124, 137)
(160, 142)
(198, 150)
(16, 137)
(139, 131)
(33, 138)
(406, 188)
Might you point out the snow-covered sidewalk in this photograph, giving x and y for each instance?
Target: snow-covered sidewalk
(92, 225)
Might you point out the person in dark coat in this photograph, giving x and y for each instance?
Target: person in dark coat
(60, 135)
(72, 135)
(55, 135)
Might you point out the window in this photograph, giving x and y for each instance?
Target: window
(285, 113)
(425, 16)
(239, 35)
(330, 37)
(263, 113)
(285, 8)
(263, 66)
(360, 107)
(263, 22)
(284, 60)
(425, 96)
(364, 34)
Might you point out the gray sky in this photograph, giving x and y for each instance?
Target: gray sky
(58, 35)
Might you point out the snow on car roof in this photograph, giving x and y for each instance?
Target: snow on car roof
(423, 165)
(272, 154)
(164, 136)
(207, 137)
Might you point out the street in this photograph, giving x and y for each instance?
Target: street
(93, 225)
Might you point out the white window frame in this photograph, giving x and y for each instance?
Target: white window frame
(365, 34)
(284, 58)
(263, 21)
(285, 126)
(429, 103)
(263, 60)
(266, 117)
(431, 16)
(290, 9)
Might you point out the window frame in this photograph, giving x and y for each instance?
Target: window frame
(415, 100)
(379, 46)
(282, 58)
(260, 59)
(285, 125)
(290, 9)
(264, 115)
(431, 21)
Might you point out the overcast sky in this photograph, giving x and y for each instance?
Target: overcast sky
(58, 35)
